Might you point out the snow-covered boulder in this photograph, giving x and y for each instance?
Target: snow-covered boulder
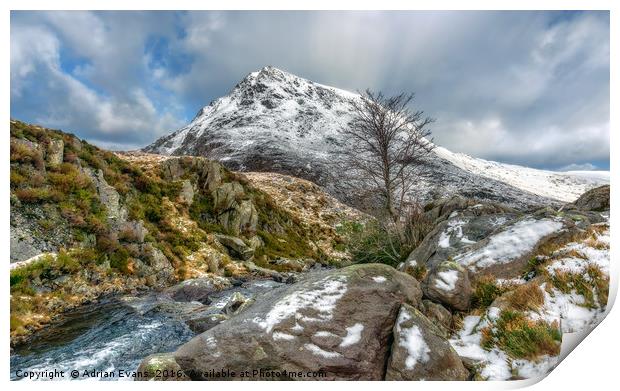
(448, 283)
(460, 223)
(486, 239)
(339, 322)
(420, 352)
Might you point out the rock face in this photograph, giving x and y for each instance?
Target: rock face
(200, 325)
(109, 197)
(55, 152)
(420, 352)
(594, 200)
(448, 283)
(439, 315)
(339, 322)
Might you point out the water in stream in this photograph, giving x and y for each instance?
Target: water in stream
(113, 335)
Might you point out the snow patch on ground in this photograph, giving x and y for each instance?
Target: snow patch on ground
(379, 279)
(466, 343)
(36, 258)
(454, 229)
(277, 336)
(574, 317)
(569, 309)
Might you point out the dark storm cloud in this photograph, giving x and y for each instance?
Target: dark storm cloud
(522, 87)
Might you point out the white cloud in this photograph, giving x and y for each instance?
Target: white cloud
(579, 167)
(119, 121)
(524, 87)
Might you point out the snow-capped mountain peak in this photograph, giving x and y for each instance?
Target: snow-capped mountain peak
(275, 121)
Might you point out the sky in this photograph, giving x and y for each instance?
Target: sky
(529, 88)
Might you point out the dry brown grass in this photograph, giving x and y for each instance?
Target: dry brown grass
(597, 244)
(526, 297)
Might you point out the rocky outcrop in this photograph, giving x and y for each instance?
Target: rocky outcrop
(420, 351)
(236, 246)
(459, 223)
(155, 266)
(236, 304)
(593, 200)
(339, 322)
(55, 152)
(491, 239)
(202, 324)
(439, 315)
(109, 197)
(186, 195)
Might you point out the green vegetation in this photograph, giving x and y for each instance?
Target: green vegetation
(387, 243)
(521, 337)
(46, 267)
(374, 243)
(592, 284)
(284, 236)
(485, 291)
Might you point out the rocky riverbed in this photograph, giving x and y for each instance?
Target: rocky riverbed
(118, 333)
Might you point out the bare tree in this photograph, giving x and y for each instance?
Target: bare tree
(387, 146)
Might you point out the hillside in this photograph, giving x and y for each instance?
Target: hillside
(274, 121)
(86, 223)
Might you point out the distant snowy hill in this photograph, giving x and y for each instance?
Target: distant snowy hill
(563, 186)
(275, 121)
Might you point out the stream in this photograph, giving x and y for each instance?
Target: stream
(115, 334)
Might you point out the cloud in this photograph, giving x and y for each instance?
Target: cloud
(529, 88)
(578, 167)
(98, 100)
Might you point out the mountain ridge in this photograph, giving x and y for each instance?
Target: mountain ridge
(275, 121)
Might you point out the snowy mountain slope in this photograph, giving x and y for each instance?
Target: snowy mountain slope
(562, 186)
(275, 121)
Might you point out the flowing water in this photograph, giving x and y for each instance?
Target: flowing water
(114, 335)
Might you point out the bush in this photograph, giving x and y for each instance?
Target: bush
(21, 153)
(119, 260)
(385, 241)
(67, 179)
(377, 243)
(416, 225)
(37, 195)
